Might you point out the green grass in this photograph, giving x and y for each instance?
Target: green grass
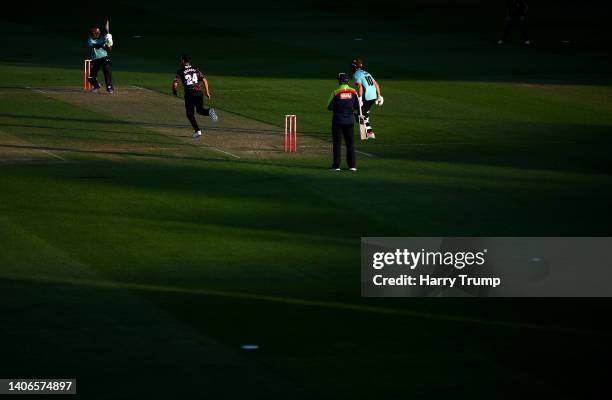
(159, 262)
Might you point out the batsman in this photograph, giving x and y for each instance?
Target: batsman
(369, 94)
(101, 47)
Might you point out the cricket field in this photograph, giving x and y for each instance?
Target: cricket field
(139, 260)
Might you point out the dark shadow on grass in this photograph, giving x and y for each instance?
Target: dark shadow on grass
(106, 335)
(590, 158)
(403, 205)
(168, 337)
(523, 145)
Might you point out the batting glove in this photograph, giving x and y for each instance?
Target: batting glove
(109, 40)
(380, 101)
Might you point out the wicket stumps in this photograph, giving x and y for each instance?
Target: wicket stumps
(86, 73)
(290, 133)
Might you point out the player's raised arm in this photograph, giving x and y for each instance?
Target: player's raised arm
(108, 42)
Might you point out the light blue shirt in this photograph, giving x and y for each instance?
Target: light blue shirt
(99, 52)
(367, 81)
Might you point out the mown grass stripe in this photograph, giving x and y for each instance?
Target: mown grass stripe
(100, 284)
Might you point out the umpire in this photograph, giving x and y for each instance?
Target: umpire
(343, 102)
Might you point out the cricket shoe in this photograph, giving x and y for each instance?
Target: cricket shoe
(353, 169)
(94, 90)
(213, 115)
(197, 134)
(334, 169)
(109, 90)
(371, 135)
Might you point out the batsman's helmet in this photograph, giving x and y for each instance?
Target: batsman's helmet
(94, 30)
(343, 78)
(357, 63)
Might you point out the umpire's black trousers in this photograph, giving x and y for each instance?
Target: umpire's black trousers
(338, 132)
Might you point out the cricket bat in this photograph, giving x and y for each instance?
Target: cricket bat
(110, 41)
(362, 128)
